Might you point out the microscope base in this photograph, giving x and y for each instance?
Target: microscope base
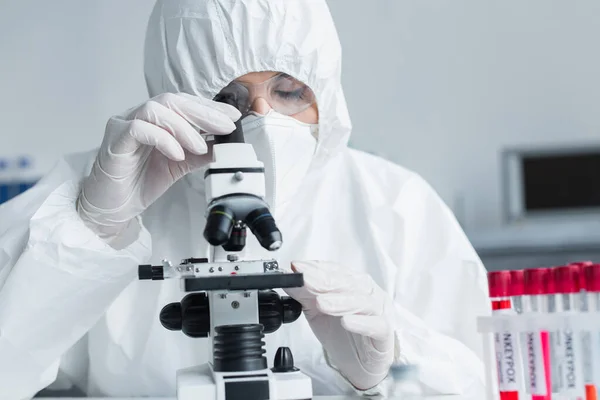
(202, 383)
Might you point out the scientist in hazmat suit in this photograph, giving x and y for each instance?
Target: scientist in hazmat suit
(390, 277)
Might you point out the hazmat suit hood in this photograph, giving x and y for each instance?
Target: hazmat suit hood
(200, 46)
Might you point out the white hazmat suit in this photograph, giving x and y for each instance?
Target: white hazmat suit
(71, 308)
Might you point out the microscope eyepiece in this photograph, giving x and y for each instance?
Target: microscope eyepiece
(219, 225)
(262, 224)
(235, 95)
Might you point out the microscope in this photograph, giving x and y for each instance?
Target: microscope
(233, 302)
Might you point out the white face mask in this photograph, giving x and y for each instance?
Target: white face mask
(286, 147)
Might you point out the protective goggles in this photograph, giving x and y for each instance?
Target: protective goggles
(285, 95)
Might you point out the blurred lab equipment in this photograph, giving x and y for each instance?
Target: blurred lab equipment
(406, 382)
(16, 176)
(551, 207)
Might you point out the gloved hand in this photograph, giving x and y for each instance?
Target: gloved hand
(352, 318)
(144, 152)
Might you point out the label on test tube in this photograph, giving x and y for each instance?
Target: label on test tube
(588, 366)
(505, 343)
(591, 274)
(572, 377)
(590, 354)
(568, 344)
(506, 360)
(536, 366)
(537, 343)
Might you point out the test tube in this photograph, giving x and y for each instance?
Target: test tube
(591, 304)
(554, 339)
(567, 342)
(517, 290)
(538, 283)
(505, 343)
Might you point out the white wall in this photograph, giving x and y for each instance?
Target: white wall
(65, 67)
(438, 86)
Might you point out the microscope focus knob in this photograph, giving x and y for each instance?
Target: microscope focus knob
(191, 315)
(170, 317)
(284, 361)
(275, 310)
(291, 309)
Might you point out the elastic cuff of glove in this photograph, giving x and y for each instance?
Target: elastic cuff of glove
(118, 237)
(127, 236)
(381, 389)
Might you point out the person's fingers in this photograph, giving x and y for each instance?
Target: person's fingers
(152, 135)
(318, 265)
(205, 118)
(300, 294)
(306, 299)
(350, 304)
(226, 109)
(191, 163)
(161, 116)
(375, 327)
(323, 277)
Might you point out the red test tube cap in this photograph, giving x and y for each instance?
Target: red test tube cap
(538, 281)
(592, 277)
(566, 279)
(582, 263)
(499, 283)
(517, 283)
